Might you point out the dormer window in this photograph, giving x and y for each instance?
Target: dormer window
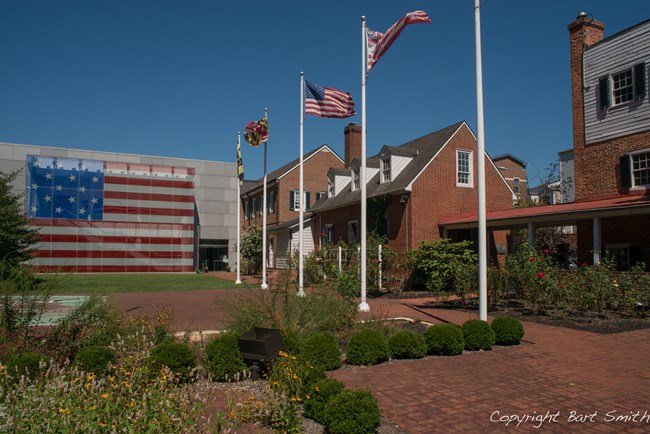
(385, 170)
(355, 179)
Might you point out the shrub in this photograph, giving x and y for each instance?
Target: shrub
(349, 285)
(176, 356)
(352, 412)
(367, 347)
(323, 350)
(223, 359)
(291, 341)
(319, 395)
(508, 330)
(444, 340)
(94, 359)
(407, 344)
(293, 376)
(26, 363)
(478, 335)
(431, 263)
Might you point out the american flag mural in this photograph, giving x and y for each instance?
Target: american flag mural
(102, 216)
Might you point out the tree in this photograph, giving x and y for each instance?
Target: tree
(17, 238)
(251, 248)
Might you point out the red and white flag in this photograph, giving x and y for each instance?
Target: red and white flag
(102, 216)
(378, 43)
(327, 102)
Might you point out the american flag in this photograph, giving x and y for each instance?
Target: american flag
(327, 102)
(378, 43)
(102, 216)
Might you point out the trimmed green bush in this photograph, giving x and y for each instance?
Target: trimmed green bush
(352, 412)
(291, 341)
(26, 363)
(94, 359)
(223, 359)
(319, 395)
(444, 340)
(508, 330)
(176, 356)
(322, 350)
(407, 344)
(478, 335)
(367, 347)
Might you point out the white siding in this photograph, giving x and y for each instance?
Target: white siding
(567, 177)
(612, 56)
(309, 239)
(282, 250)
(340, 181)
(397, 164)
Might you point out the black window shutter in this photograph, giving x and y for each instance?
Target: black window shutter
(603, 90)
(292, 200)
(307, 200)
(639, 80)
(626, 171)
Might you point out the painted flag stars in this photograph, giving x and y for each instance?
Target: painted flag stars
(327, 102)
(378, 43)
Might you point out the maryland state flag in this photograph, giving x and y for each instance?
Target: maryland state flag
(257, 132)
(240, 165)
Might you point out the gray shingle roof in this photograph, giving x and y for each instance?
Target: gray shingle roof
(423, 150)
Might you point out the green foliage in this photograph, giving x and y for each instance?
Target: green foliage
(26, 363)
(352, 412)
(251, 248)
(17, 239)
(431, 264)
(349, 285)
(464, 278)
(223, 360)
(444, 340)
(291, 341)
(478, 335)
(407, 344)
(367, 347)
(318, 397)
(508, 330)
(497, 279)
(323, 350)
(176, 356)
(94, 359)
(293, 376)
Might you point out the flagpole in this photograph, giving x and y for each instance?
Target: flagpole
(482, 239)
(264, 285)
(238, 281)
(301, 260)
(363, 306)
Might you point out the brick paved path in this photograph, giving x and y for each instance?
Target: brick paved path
(561, 370)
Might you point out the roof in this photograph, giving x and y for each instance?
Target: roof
(424, 150)
(510, 156)
(290, 224)
(561, 214)
(281, 171)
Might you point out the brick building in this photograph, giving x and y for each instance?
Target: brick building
(514, 171)
(283, 202)
(409, 188)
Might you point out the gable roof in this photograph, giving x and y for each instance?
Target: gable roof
(283, 170)
(424, 150)
(511, 157)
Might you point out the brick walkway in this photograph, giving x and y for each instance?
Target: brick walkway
(558, 370)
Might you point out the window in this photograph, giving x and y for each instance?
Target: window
(271, 202)
(464, 169)
(619, 254)
(385, 170)
(515, 185)
(640, 169)
(329, 234)
(622, 87)
(355, 179)
(255, 209)
(331, 188)
(353, 231)
(247, 210)
(294, 200)
(320, 195)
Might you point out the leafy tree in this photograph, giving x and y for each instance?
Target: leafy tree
(17, 239)
(251, 248)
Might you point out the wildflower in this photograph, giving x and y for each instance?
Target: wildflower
(111, 379)
(546, 251)
(532, 258)
(541, 274)
(133, 404)
(105, 395)
(90, 376)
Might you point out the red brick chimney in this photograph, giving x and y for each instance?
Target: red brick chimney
(352, 143)
(583, 32)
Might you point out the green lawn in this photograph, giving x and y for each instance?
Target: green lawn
(112, 283)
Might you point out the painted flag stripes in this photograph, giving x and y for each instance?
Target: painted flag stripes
(257, 132)
(101, 216)
(327, 102)
(378, 43)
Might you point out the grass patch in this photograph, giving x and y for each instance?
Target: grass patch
(150, 282)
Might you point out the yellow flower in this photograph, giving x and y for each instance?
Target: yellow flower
(111, 379)
(133, 404)
(105, 396)
(316, 389)
(90, 376)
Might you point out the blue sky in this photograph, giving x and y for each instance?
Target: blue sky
(181, 78)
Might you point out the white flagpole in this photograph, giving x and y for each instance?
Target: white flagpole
(264, 285)
(363, 306)
(482, 239)
(301, 260)
(238, 281)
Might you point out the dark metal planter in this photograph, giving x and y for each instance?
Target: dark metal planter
(258, 347)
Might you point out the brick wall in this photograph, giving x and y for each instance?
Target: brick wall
(618, 231)
(511, 169)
